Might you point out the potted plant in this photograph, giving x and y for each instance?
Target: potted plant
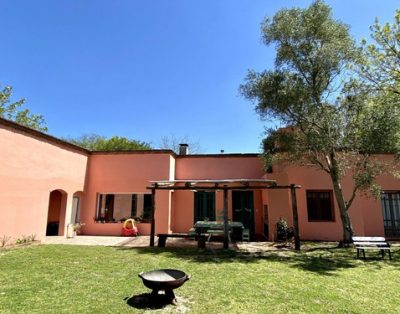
(76, 227)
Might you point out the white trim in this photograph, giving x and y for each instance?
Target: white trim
(127, 193)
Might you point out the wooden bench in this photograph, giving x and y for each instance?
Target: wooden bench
(371, 243)
(162, 238)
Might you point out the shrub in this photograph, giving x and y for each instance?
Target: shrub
(32, 238)
(4, 240)
(284, 233)
(26, 239)
(77, 226)
(22, 240)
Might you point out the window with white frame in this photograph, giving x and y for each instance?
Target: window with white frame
(118, 207)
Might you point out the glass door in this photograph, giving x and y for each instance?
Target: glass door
(243, 209)
(391, 213)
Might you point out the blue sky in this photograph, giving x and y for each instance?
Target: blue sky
(150, 68)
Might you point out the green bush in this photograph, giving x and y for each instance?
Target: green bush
(284, 233)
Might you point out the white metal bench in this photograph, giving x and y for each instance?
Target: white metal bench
(372, 243)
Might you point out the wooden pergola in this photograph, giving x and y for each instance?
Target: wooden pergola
(225, 185)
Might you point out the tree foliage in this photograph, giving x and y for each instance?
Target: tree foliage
(12, 111)
(333, 122)
(95, 142)
(381, 69)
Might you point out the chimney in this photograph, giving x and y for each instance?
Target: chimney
(183, 149)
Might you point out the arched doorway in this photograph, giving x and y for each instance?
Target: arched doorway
(56, 213)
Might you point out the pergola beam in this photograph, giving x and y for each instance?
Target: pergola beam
(244, 187)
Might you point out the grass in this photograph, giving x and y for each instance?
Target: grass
(77, 279)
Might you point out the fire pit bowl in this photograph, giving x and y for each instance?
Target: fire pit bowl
(164, 279)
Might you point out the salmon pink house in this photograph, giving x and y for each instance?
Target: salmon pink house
(47, 184)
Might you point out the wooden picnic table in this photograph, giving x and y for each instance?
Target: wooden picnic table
(216, 227)
(217, 224)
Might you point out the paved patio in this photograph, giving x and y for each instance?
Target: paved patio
(143, 241)
(99, 240)
(140, 241)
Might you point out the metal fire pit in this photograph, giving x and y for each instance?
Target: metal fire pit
(165, 280)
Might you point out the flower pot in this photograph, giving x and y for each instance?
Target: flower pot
(70, 231)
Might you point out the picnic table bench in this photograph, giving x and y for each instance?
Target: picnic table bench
(162, 238)
(216, 232)
(371, 243)
(216, 228)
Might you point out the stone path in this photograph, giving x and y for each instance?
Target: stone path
(143, 241)
(86, 240)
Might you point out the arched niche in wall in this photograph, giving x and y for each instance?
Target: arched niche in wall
(56, 213)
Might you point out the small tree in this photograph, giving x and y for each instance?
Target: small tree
(172, 142)
(96, 142)
(12, 111)
(333, 124)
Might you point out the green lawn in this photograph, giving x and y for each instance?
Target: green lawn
(77, 279)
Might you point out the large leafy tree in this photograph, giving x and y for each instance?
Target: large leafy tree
(12, 111)
(96, 142)
(332, 123)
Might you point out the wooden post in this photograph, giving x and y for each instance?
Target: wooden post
(153, 223)
(295, 218)
(226, 226)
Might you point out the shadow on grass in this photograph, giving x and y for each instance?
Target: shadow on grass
(323, 261)
(146, 301)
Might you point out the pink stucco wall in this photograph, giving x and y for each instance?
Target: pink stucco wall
(32, 167)
(220, 166)
(214, 167)
(183, 209)
(365, 213)
(131, 172)
(115, 173)
(312, 179)
(278, 203)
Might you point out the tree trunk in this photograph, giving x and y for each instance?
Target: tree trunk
(344, 215)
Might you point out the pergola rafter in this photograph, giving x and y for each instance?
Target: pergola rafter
(223, 185)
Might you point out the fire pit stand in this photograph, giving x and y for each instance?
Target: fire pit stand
(164, 280)
(169, 295)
